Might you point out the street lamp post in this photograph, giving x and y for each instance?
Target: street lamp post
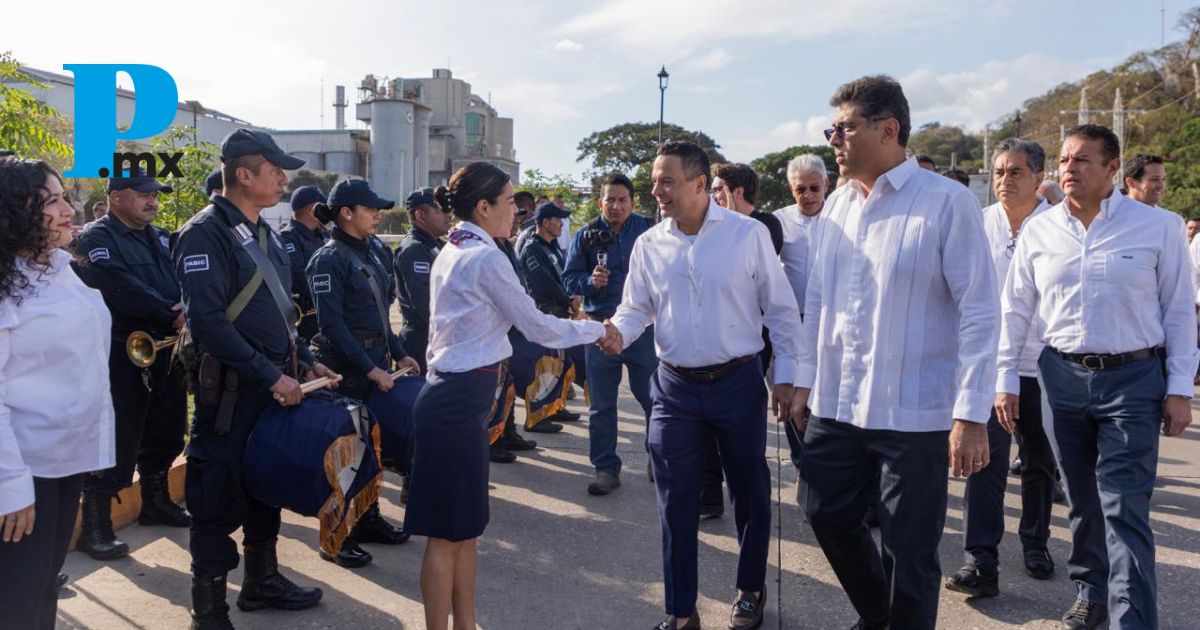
(662, 97)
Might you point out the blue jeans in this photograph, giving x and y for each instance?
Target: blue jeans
(1104, 427)
(604, 377)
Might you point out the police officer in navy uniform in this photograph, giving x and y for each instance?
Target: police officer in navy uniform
(349, 283)
(243, 328)
(414, 259)
(128, 260)
(302, 236)
(212, 183)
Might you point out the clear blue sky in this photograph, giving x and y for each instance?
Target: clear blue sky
(754, 74)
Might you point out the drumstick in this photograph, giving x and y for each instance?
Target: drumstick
(404, 371)
(315, 384)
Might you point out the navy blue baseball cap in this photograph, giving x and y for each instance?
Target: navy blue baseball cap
(138, 180)
(249, 142)
(213, 182)
(421, 197)
(304, 196)
(356, 192)
(549, 210)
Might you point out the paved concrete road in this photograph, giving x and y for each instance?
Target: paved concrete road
(556, 557)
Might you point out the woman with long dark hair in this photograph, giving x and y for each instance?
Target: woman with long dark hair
(56, 415)
(475, 297)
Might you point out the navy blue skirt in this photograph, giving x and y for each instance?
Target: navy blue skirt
(448, 492)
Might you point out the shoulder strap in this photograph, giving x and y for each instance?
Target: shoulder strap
(244, 296)
(376, 293)
(265, 273)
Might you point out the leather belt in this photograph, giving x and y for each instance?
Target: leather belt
(709, 373)
(370, 342)
(1108, 361)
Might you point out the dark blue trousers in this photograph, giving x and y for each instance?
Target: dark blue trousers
(1104, 428)
(983, 501)
(684, 414)
(844, 470)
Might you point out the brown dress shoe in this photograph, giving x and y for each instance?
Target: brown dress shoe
(747, 612)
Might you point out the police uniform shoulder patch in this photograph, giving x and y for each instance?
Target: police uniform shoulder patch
(290, 247)
(420, 266)
(199, 262)
(321, 283)
(100, 253)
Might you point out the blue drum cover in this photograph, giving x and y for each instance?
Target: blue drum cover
(393, 409)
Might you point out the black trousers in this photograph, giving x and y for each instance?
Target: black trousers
(901, 582)
(215, 495)
(983, 502)
(416, 342)
(29, 569)
(150, 423)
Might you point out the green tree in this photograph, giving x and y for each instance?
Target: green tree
(537, 183)
(940, 142)
(773, 189)
(199, 159)
(1183, 170)
(305, 177)
(28, 127)
(630, 148)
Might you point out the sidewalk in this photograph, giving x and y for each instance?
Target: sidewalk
(555, 557)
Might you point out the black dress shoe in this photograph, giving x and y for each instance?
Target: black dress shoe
(565, 416)
(670, 623)
(747, 613)
(1085, 615)
(373, 528)
(975, 582)
(545, 426)
(514, 441)
(350, 556)
(499, 455)
(1016, 467)
(1038, 564)
(711, 511)
(862, 625)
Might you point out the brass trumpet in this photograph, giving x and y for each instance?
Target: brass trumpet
(300, 315)
(142, 349)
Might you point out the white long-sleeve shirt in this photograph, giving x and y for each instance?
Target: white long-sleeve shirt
(709, 296)
(56, 412)
(475, 297)
(797, 248)
(1194, 254)
(1003, 246)
(902, 310)
(1122, 284)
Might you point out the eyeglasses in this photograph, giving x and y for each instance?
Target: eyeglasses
(841, 129)
(814, 189)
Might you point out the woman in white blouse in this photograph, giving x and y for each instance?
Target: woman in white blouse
(475, 297)
(56, 417)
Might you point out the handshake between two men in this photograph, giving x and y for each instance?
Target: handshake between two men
(785, 404)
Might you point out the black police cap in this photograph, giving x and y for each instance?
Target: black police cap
(356, 192)
(250, 142)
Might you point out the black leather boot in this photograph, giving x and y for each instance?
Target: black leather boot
(96, 537)
(265, 587)
(209, 610)
(373, 528)
(157, 506)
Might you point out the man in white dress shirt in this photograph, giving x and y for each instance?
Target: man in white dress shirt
(808, 180)
(1106, 279)
(898, 351)
(1146, 179)
(708, 279)
(1018, 166)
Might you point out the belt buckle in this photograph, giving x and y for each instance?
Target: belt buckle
(1093, 362)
